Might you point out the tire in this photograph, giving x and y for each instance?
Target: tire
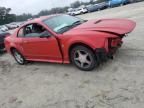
(83, 58)
(18, 57)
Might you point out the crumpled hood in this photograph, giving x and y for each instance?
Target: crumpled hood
(116, 26)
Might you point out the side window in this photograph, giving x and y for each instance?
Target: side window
(34, 30)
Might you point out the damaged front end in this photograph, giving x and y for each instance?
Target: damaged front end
(110, 48)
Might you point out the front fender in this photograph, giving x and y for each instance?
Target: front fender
(91, 41)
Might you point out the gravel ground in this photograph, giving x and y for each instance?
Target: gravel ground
(118, 83)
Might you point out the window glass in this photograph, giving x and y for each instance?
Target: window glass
(34, 30)
(61, 23)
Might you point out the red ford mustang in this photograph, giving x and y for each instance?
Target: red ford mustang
(68, 39)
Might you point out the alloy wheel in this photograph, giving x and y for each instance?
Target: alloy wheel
(18, 57)
(82, 58)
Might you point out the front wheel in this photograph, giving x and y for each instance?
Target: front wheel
(18, 57)
(83, 58)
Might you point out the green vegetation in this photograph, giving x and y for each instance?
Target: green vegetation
(5, 17)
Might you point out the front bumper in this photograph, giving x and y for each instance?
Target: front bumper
(102, 55)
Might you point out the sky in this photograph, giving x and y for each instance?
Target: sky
(33, 6)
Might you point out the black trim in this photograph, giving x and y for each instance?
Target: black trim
(24, 26)
(101, 54)
(60, 48)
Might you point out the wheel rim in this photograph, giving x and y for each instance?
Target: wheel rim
(18, 57)
(82, 58)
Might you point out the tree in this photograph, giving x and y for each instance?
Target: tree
(75, 4)
(99, 1)
(57, 10)
(24, 17)
(5, 16)
(91, 1)
(43, 13)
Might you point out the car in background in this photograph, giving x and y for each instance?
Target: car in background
(103, 5)
(93, 7)
(21, 23)
(113, 3)
(12, 26)
(83, 10)
(137, 0)
(17, 24)
(3, 35)
(77, 11)
(3, 28)
(74, 12)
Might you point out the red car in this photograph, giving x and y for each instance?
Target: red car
(68, 39)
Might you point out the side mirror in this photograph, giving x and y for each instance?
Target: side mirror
(45, 34)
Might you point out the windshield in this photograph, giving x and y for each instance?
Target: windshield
(63, 23)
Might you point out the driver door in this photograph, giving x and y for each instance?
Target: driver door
(36, 47)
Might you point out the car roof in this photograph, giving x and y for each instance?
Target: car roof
(40, 19)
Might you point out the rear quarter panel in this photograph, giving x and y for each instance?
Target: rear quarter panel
(13, 42)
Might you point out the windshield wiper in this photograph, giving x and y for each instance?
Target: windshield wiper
(77, 23)
(65, 28)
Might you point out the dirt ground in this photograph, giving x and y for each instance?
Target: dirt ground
(118, 83)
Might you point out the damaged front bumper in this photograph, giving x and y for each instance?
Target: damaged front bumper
(113, 45)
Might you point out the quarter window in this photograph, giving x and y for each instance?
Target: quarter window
(21, 32)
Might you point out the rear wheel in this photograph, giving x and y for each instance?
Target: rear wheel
(83, 58)
(18, 57)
